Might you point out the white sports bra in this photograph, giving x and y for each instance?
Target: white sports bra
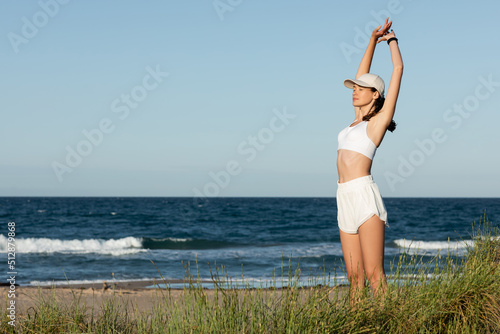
(355, 138)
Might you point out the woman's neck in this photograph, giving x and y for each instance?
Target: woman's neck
(361, 112)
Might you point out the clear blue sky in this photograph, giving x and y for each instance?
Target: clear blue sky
(252, 102)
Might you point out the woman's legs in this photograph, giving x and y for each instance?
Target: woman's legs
(372, 242)
(353, 258)
(364, 254)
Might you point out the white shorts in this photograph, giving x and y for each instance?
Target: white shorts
(357, 201)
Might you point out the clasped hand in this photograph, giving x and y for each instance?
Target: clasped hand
(382, 33)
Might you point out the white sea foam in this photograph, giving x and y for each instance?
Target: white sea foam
(421, 246)
(173, 239)
(96, 282)
(114, 247)
(262, 282)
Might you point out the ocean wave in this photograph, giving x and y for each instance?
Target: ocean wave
(114, 247)
(96, 281)
(433, 246)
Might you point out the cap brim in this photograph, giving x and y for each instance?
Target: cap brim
(349, 83)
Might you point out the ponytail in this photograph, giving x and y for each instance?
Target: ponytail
(377, 106)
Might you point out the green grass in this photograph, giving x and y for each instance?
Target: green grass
(461, 297)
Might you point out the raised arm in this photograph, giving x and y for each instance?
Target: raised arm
(366, 61)
(387, 112)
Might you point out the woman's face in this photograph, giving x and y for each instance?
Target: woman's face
(362, 96)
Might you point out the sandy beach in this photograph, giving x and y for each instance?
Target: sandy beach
(134, 296)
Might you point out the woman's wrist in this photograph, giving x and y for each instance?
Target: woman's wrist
(392, 39)
(373, 40)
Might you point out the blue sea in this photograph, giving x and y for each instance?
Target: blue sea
(85, 240)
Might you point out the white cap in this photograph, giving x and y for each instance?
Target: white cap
(367, 80)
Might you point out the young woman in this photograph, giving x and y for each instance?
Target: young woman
(361, 212)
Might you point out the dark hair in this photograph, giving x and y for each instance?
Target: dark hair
(379, 103)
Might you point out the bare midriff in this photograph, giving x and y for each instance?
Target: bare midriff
(351, 165)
